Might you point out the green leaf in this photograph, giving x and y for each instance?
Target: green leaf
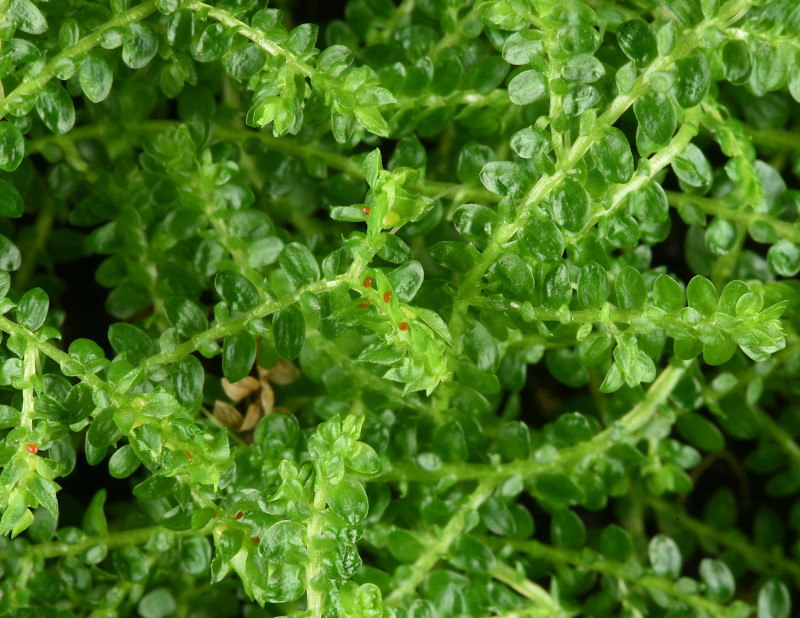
(527, 87)
(245, 61)
(572, 428)
(187, 318)
(158, 603)
(616, 543)
(140, 46)
(637, 39)
(27, 16)
(668, 294)
(514, 276)
(54, 106)
(582, 68)
(486, 74)
(196, 555)
(630, 288)
(96, 76)
(456, 256)
(32, 308)
(404, 546)
(12, 149)
(702, 295)
(475, 222)
(9, 417)
(557, 288)
(363, 461)
(774, 600)
(154, 487)
(189, 376)
(471, 555)
(557, 489)
(130, 341)
(719, 581)
(720, 236)
(10, 256)
(229, 543)
(238, 355)
(570, 204)
(507, 179)
(700, 432)
(11, 204)
(44, 490)
(692, 167)
(236, 290)
(299, 264)
(284, 542)
(784, 258)
(522, 47)
(612, 157)
(543, 240)
(348, 500)
(406, 280)
(592, 286)
(94, 519)
(289, 332)
(718, 353)
(736, 61)
(471, 159)
(665, 557)
(692, 79)
(130, 563)
(657, 117)
(104, 431)
(123, 462)
(567, 530)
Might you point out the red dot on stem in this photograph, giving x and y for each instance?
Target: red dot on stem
(368, 282)
(238, 515)
(255, 539)
(364, 304)
(366, 210)
(32, 448)
(190, 456)
(403, 325)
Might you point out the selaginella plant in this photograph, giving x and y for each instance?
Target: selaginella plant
(447, 308)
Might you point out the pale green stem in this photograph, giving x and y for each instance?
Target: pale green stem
(547, 184)
(33, 85)
(255, 35)
(314, 598)
(745, 216)
(560, 555)
(633, 421)
(123, 538)
(449, 534)
(545, 604)
(732, 539)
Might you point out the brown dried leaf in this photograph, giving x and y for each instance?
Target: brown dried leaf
(284, 372)
(267, 398)
(241, 389)
(226, 414)
(252, 417)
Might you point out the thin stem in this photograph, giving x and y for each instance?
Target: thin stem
(33, 85)
(731, 539)
(545, 603)
(123, 538)
(616, 569)
(745, 216)
(449, 534)
(633, 421)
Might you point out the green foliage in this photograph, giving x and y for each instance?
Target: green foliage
(445, 308)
